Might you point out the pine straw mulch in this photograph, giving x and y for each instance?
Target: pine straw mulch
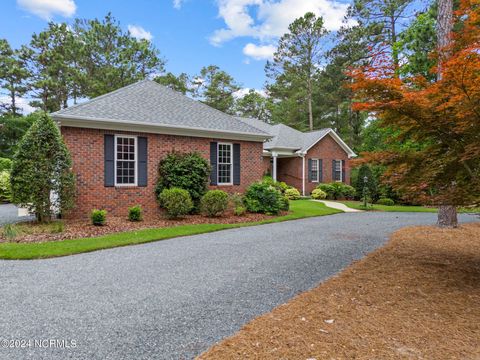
(77, 229)
(416, 298)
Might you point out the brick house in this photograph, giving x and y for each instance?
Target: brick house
(304, 159)
(117, 140)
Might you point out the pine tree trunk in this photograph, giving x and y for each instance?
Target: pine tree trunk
(310, 111)
(447, 216)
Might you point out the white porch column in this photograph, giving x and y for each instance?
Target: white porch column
(274, 167)
(303, 175)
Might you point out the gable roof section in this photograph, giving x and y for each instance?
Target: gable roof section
(153, 107)
(286, 138)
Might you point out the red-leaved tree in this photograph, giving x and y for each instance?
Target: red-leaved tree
(442, 117)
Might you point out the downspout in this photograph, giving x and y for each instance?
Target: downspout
(302, 154)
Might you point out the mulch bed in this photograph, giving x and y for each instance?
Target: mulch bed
(416, 298)
(75, 229)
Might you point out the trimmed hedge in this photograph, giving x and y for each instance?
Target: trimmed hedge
(176, 202)
(214, 203)
(262, 197)
(135, 213)
(98, 217)
(385, 201)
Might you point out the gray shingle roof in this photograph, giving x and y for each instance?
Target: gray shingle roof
(148, 102)
(285, 137)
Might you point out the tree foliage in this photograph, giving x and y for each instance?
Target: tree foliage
(443, 116)
(42, 178)
(215, 88)
(294, 68)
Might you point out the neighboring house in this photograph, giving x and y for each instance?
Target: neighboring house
(304, 159)
(117, 140)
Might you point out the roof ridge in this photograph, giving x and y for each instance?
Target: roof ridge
(89, 101)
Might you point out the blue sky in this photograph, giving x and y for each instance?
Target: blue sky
(237, 35)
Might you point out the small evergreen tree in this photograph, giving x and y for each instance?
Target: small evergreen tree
(42, 179)
(372, 187)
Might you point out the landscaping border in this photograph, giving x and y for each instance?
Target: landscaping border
(29, 251)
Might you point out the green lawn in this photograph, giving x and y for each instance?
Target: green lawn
(299, 209)
(394, 208)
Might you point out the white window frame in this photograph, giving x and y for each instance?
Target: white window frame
(318, 170)
(218, 164)
(341, 172)
(135, 160)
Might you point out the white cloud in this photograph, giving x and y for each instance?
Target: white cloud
(46, 9)
(177, 4)
(259, 52)
(22, 103)
(244, 91)
(270, 19)
(139, 32)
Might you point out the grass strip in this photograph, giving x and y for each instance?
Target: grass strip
(27, 251)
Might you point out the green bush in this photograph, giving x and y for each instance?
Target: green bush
(262, 197)
(239, 210)
(98, 217)
(337, 190)
(5, 188)
(5, 164)
(41, 166)
(176, 202)
(188, 171)
(10, 231)
(284, 203)
(214, 203)
(135, 213)
(318, 194)
(292, 194)
(385, 201)
(236, 200)
(279, 185)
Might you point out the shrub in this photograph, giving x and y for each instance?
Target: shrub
(318, 194)
(292, 194)
(214, 203)
(5, 188)
(261, 197)
(98, 217)
(336, 190)
(176, 202)
(236, 200)
(239, 211)
(188, 171)
(42, 166)
(385, 201)
(279, 185)
(135, 213)
(57, 227)
(328, 189)
(284, 203)
(5, 164)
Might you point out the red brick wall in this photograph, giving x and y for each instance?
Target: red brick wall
(327, 149)
(87, 149)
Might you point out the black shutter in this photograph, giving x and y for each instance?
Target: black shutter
(236, 164)
(320, 170)
(142, 161)
(109, 160)
(213, 163)
(343, 171)
(309, 170)
(333, 171)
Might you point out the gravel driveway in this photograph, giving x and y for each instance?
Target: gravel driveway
(9, 214)
(173, 299)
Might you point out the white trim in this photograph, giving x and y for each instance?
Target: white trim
(231, 163)
(339, 141)
(303, 174)
(318, 170)
(116, 136)
(137, 126)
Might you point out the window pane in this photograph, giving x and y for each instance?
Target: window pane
(224, 166)
(125, 164)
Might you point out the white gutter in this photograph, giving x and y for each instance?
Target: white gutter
(136, 126)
